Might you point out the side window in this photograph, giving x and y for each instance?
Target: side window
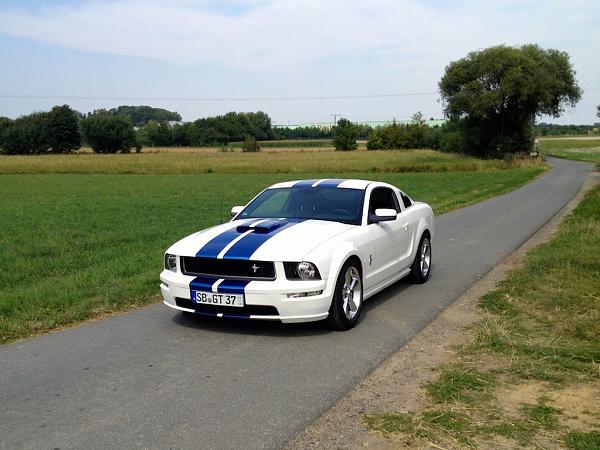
(382, 198)
(406, 200)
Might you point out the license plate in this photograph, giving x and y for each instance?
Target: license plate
(213, 298)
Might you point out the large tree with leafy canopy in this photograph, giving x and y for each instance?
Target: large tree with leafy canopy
(493, 96)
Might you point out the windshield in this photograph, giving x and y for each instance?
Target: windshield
(321, 203)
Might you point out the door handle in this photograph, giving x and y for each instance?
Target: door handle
(405, 225)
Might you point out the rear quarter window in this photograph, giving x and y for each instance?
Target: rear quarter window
(406, 201)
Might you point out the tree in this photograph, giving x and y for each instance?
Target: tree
(107, 133)
(156, 134)
(5, 123)
(250, 144)
(494, 95)
(141, 115)
(180, 136)
(345, 134)
(63, 130)
(27, 135)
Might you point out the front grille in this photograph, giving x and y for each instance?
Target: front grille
(227, 311)
(234, 268)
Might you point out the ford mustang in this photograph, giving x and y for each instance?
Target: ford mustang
(302, 251)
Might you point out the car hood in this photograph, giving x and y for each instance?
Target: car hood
(261, 240)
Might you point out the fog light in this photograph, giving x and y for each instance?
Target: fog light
(304, 294)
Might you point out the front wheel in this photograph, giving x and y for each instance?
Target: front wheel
(347, 298)
(421, 266)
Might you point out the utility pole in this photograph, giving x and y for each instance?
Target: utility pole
(335, 116)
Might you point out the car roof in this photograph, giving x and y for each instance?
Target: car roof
(325, 182)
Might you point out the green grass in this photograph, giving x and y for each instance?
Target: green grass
(287, 162)
(577, 440)
(541, 414)
(461, 384)
(542, 327)
(573, 149)
(77, 246)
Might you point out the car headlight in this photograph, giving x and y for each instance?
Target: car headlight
(301, 271)
(170, 262)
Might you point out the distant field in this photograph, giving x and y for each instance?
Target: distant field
(76, 246)
(296, 162)
(581, 149)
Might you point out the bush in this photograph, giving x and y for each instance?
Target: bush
(250, 144)
(452, 142)
(397, 136)
(345, 134)
(106, 133)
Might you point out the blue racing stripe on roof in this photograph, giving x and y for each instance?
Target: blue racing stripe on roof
(331, 183)
(305, 183)
(213, 247)
(245, 247)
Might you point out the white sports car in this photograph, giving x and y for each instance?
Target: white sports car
(302, 251)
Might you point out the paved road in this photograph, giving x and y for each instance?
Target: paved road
(155, 379)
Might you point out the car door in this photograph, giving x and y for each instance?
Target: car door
(408, 219)
(385, 238)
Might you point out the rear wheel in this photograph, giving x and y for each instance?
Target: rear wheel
(347, 298)
(421, 266)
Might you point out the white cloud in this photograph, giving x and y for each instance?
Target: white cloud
(283, 35)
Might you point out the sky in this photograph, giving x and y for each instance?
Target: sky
(299, 61)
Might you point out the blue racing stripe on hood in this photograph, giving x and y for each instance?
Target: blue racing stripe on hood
(213, 247)
(245, 247)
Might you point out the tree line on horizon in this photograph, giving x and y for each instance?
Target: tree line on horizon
(491, 98)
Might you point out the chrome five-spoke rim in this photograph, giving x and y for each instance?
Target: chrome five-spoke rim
(351, 292)
(425, 257)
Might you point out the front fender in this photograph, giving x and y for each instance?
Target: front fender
(424, 223)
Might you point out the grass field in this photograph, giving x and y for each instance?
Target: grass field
(574, 149)
(287, 162)
(76, 246)
(529, 376)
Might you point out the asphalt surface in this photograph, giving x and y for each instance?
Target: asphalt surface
(153, 378)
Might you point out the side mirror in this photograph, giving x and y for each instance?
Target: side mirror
(383, 215)
(236, 210)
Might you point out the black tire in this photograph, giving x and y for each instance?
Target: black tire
(420, 273)
(338, 318)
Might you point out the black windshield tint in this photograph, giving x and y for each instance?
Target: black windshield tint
(321, 203)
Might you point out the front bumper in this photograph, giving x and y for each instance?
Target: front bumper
(175, 285)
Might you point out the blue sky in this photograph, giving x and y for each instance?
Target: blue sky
(178, 49)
